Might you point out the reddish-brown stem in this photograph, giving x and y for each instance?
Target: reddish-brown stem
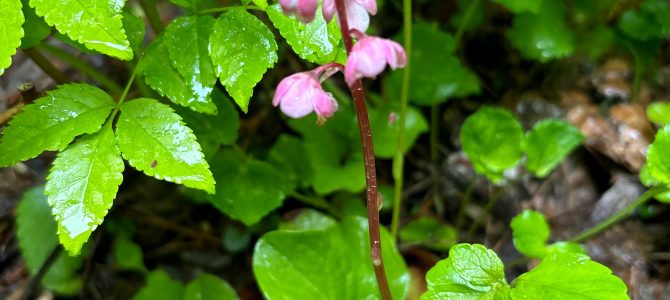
(369, 160)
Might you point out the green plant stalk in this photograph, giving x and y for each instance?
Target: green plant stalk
(38, 58)
(466, 20)
(399, 158)
(36, 281)
(124, 94)
(78, 64)
(487, 210)
(467, 197)
(150, 10)
(620, 215)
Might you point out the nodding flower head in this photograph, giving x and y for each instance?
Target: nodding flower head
(357, 12)
(368, 58)
(305, 10)
(300, 94)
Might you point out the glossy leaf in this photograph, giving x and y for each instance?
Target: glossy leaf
(37, 237)
(569, 276)
(160, 286)
(53, 121)
(548, 143)
(128, 255)
(209, 287)
(95, 23)
(316, 42)
(35, 29)
(187, 40)
(167, 81)
(240, 65)
(470, 272)
(650, 21)
(491, 138)
(430, 233)
(531, 233)
(385, 125)
(543, 36)
(82, 184)
(658, 160)
(521, 6)
(325, 263)
(155, 141)
(134, 27)
(659, 113)
(11, 31)
(252, 188)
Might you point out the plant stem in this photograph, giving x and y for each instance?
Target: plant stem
(150, 10)
(399, 158)
(466, 20)
(34, 283)
(78, 64)
(46, 65)
(369, 162)
(620, 215)
(124, 94)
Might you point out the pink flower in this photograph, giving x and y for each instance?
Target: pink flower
(369, 57)
(305, 10)
(301, 93)
(357, 12)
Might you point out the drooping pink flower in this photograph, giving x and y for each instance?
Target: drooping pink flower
(368, 58)
(300, 94)
(305, 10)
(357, 12)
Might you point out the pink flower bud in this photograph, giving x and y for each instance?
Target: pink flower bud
(368, 58)
(357, 12)
(305, 10)
(301, 93)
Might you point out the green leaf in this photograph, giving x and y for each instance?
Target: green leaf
(309, 219)
(325, 263)
(491, 138)
(37, 237)
(209, 287)
(565, 247)
(600, 40)
(241, 65)
(82, 185)
(531, 233)
(155, 141)
(316, 42)
(658, 160)
(385, 129)
(35, 29)
(53, 121)
(128, 255)
(650, 21)
(521, 6)
(160, 286)
(252, 188)
(167, 81)
(659, 113)
(543, 36)
(187, 40)
(569, 276)
(288, 155)
(11, 32)
(134, 27)
(548, 143)
(470, 272)
(430, 233)
(95, 23)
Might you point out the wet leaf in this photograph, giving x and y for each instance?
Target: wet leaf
(531, 233)
(35, 29)
(155, 141)
(521, 6)
(491, 138)
(95, 23)
(128, 255)
(187, 40)
(385, 125)
(241, 65)
(37, 237)
(53, 121)
(470, 272)
(658, 160)
(160, 286)
(11, 32)
(209, 287)
(82, 185)
(134, 27)
(659, 113)
(331, 262)
(548, 143)
(650, 21)
(566, 276)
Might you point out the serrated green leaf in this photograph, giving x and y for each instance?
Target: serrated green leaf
(316, 42)
(95, 23)
(82, 185)
(241, 65)
(167, 81)
(134, 27)
(470, 272)
(252, 188)
(659, 113)
(658, 160)
(53, 121)
(37, 237)
(325, 263)
(430, 233)
(531, 233)
(548, 143)
(262, 4)
(385, 129)
(521, 6)
(650, 21)
(160, 286)
(187, 40)
(491, 138)
(209, 287)
(35, 29)
(11, 31)
(568, 276)
(155, 141)
(543, 36)
(128, 255)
